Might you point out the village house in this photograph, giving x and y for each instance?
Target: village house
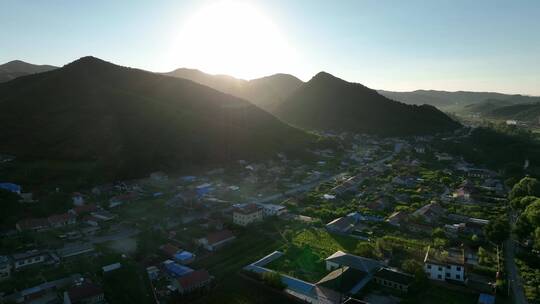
(443, 157)
(192, 281)
(103, 215)
(394, 279)
(446, 265)
(397, 218)
(184, 257)
(420, 149)
(84, 209)
(29, 258)
(61, 220)
(84, 293)
(247, 215)
(43, 293)
(354, 271)
(176, 270)
(5, 268)
(152, 272)
(341, 225)
(465, 192)
(481, 173)
(431, 212)
(273, 210)
(78, 199)
(75, 249)
(215, 240)
(169, 250)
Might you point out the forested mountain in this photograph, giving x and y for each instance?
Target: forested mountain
(132, 121)
(329, 103)
(17, 68)
(520, 112)
(444, 99)
(266, 92)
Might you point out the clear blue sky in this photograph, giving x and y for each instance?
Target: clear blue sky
(396, 45)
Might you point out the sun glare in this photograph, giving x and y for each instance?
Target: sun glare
(235, 38)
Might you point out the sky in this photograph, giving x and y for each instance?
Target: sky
(481, 45)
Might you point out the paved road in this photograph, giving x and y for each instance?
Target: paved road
(513, 274)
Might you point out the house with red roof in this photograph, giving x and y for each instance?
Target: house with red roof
(169, 250)
(84, 209)
(216, 239)
(61, 220)
(193, 281)
(85, 293)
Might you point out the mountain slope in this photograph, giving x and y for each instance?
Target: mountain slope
(486, 106)
(444, 99)
(17, 68)
(266, 92)
(131, 121)
(329, 103)
(520, 112)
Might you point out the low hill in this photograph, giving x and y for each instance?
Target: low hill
(17, 68)
(329, 103)
(132, 121)
(266, 92)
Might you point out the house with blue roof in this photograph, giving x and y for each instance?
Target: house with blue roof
(184, 257)
(176, 270)
(11, 187)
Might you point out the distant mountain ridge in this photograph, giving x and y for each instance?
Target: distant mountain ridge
(131, 121)
(18, 68)
(445, 99)
(329, 103)
(266, 92)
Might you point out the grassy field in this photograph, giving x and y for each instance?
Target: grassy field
(302, 263)
(325, 243)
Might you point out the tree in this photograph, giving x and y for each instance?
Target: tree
(482, 256)
(367, 250)
(417, 269)
(438, 233)
(532, 214)
(520, 203)
(527, 186)
(537, 238)
(497, 230)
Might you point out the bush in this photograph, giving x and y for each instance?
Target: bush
(273, 279)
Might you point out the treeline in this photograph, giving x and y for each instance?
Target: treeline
(499, 147)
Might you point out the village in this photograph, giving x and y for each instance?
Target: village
(367, 220)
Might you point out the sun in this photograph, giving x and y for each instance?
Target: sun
(235, 38)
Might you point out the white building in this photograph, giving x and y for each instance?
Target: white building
(78, 199)
(442, 266)
(28, 258)
(247, 215)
